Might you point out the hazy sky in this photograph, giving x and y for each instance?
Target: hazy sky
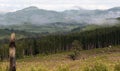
(58, 5)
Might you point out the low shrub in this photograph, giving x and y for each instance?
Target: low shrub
(72, 56)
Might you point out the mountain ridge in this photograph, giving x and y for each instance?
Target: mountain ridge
(35, 15)
(52, 21)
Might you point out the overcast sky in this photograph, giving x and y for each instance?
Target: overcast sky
(58, 5)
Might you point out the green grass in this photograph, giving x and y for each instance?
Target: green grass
(91, 27)
(101, 59)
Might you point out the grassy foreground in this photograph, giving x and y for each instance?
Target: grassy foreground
(107, 59)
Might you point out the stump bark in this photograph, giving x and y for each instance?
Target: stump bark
(12, 53)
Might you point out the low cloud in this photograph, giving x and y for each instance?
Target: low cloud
(58, 5)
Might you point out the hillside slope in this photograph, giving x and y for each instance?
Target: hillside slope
(5, 33)
(57, 62)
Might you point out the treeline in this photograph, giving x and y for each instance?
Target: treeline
(99, 38)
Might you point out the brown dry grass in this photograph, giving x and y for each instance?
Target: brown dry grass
(106, 56)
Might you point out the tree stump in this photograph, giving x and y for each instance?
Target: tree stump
(12, 53)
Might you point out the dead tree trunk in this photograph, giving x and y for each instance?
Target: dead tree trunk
(12, 52)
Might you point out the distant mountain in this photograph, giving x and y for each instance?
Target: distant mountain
(33, 19)
(38, 16)
(32, 15)
(93, 16)
(114, 9)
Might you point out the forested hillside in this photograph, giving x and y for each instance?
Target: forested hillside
(48, 28)
(98, 38)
